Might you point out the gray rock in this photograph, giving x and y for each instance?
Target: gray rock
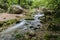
(15, 9)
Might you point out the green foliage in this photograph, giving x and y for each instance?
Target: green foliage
(9, 22)
(50, 37)
(52, 4)
(19, 36)
(26, 3)
(58, 38)
(54, 28)
(11, 2)
(3, 4)
(1, 24)
(54, 25)
(56, 21)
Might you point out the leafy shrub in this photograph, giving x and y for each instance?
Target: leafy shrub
(54, 25)
(9, 22)
(54, 28)
(58, 38)
(19, 36)
(2, 10)
(50, 37)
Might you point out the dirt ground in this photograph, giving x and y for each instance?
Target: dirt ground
(7, 16)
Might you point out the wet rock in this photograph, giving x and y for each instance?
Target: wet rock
(34, 38)
(26, 24)
(36, 28)
(18, 22)
(41, 21)
(32, 34)
(31, 26)
(4, 18)
(29, 18)
(38, 25)
(1, 24)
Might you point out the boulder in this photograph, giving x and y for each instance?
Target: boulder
(15, 9)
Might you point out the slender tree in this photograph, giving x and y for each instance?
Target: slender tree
(19, 2)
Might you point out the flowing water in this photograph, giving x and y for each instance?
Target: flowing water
(34, 22)
(15, 27)
(22, 25)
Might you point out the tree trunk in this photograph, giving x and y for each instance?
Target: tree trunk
(19, 2)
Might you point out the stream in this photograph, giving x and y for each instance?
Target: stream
(23, 26)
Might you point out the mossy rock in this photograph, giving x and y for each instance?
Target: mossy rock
(12, 21)
(29, 18)
(1, 24)
(9, 22)
(15, 9)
